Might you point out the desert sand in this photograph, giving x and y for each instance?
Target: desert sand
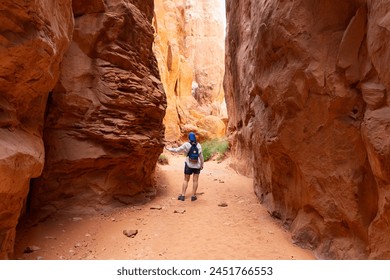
(226, 223)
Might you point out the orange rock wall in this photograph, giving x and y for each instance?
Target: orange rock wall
(33, 41)
(189, 47)
(306, 87)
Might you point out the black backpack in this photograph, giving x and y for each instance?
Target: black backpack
(193, 153)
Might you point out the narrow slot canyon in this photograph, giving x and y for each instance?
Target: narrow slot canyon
(92, 92)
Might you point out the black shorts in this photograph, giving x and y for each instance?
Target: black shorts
(189, 170)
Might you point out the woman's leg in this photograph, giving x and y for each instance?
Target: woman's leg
(195, 185)
(185, 184)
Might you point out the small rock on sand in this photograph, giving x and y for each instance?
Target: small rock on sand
(130, 232)
(31, 249)
(223, 204)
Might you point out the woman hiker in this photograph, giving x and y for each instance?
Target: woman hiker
(193, 164)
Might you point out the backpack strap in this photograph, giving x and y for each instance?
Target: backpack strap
(190, 147)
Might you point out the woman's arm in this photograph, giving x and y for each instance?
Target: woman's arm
(181, 149)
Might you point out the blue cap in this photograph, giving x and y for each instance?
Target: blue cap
(192, 137)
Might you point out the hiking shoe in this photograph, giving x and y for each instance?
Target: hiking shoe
(181, 197)
(193, 198)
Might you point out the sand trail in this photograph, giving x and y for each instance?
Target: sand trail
(226, 222)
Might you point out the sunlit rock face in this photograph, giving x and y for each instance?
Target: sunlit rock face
(33, 40)
(189, 47)
(103, 130)
(309, 113)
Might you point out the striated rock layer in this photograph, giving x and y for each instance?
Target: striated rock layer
(189, 47)
(103, 130)
(33, 40)
(306, 87)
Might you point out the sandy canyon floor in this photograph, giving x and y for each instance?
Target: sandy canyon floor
(225, 223)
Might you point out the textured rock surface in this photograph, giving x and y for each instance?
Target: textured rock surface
(33, 40)
(103, 131)
(189, 47)
(307, 93)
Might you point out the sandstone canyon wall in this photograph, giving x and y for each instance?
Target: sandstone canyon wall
(82, 104)
(307, 89)
(189, 47)
(103, 130)
(33, 41)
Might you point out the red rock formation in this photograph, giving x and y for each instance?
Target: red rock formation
(307, 92)
(103, 131)
(33, 40)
